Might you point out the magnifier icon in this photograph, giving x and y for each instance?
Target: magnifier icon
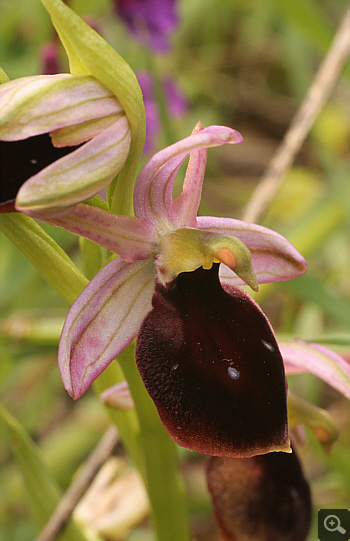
(332, 524)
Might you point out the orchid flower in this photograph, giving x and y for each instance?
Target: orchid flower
(260, 498)
(49, 58)
(150, 21)
(73, 110)
(204, 348)
(97, 109)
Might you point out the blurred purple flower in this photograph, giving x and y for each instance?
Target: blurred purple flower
(49, 59)
(150, 21)
(176, 101)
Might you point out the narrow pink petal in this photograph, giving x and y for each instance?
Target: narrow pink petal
(183, 210)
(131, 238)
(154, 186)
(118, 397)
(300, 356)
(104, 319)
(40, 104)
(274, 258)
(77, 176)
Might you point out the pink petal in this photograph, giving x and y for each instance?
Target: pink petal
(274, 258)
(131, 238)
(104, 319)
(118, 397)
(183, 210)
(40, 104)
(77, 176)
(300, 356)
(154, 186)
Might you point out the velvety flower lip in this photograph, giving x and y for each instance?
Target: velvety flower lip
(162, 240)
(271, 493)
(73, 110)
(203, 352)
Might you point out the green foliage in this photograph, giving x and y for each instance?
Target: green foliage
(43, 493)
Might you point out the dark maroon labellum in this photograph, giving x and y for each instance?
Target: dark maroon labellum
(211, 364)
(263, 498)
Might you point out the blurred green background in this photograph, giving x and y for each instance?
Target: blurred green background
(248, 65)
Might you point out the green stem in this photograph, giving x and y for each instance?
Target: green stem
(152, 450)
(163, 481)
(43, 252)
(126, 421)
(165, 118)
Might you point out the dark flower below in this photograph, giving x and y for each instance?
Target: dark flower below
(211, 364)
(270, 492)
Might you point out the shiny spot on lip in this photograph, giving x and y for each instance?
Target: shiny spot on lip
(233, 373)
(268, 346)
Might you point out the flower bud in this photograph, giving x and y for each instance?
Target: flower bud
(73, 110)
(115, 502)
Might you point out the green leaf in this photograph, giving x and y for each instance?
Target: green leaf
(90, 54)
(43, 493)
(47, 257)
(307, 17)
(163, 480)
(317, 419)
(309, 288)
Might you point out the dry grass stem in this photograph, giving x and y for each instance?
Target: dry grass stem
(79, 486)
(318, 94)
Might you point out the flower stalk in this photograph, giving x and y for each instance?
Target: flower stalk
(162, 478)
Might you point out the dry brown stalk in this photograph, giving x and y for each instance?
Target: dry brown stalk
(79, 486)
(318, 94)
